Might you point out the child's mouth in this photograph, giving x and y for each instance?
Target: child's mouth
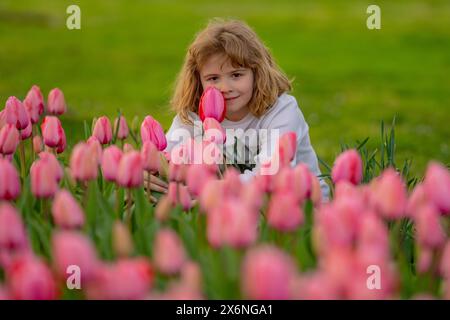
(229, 99)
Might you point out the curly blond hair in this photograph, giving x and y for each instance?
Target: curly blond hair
(242, 46)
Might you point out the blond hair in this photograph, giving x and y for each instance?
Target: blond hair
(242, 46)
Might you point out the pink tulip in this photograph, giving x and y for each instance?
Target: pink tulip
(84, 162)
(287, 146)
(214, 131)
(212, 105)
(9, 139)
(12, 230)
(232, 185)
(302, 181)
(184, 197)
(388, 195)
(315, 286)
(150, 157)
(56, 104)
(417, 199)
(127, 279)
(63, 143)
(348, 167)
(95, 144)
(9, 181)
(152, 131)
(122, 132)
(34, 103)
(232, 223)
(67, 213)
(127, 148)
(16, 114)
(284, 213)
(26, 133)
(130, 173)
(429, 229)
(177, 172)
(110, 162)
(73, 248)
(196, 178)
(29, 278)
(168, 252)
(37, 144)
(52, 132)
(54, 162)
(102, 130)
(44, 178)
(212, 193)
(267, 274)
(437, 186)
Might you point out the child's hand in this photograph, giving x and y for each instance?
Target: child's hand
(156, 184)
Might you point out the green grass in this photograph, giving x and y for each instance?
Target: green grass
(347, 78)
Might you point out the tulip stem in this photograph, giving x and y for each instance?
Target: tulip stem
(128, 217)
(31, 143)
(22, 159)
(118, 202)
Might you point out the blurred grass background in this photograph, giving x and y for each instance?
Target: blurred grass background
(347, 78)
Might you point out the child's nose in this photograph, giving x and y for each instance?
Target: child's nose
(224, 87)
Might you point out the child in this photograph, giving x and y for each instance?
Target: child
(229, 56)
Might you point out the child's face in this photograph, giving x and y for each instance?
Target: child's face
(236, 84)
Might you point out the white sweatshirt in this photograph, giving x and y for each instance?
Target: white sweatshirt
(284, 115)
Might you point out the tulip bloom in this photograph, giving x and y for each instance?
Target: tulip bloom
(126, 279)
(388, 195)
(16, 114)
(67, 213)
(9, 139)
(122, 132)
(73, 248)
(232, 223)
(122, 241)
(287, 146)
(348, 167)
(214, 131)
(54, 162)
(9, 181)
(150, 157)
(196, 178)
(429, 229)
(437, 186)
(52, 132)
(285, 213)
(44, 182)
(12, 230)
(56, 104)
(26, 133)
(37, 144)
(29, 278)
(110, 162)
(130, 173)
(34, 103)
(212, 105)
(152, 131)
(168, 252)
(84, 162)
(102, 130)
(267, 274)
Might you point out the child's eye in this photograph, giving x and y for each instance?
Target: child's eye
(212, 79)
(237, 75)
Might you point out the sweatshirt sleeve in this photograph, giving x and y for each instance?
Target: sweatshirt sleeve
(179, 132)
(288, 117)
